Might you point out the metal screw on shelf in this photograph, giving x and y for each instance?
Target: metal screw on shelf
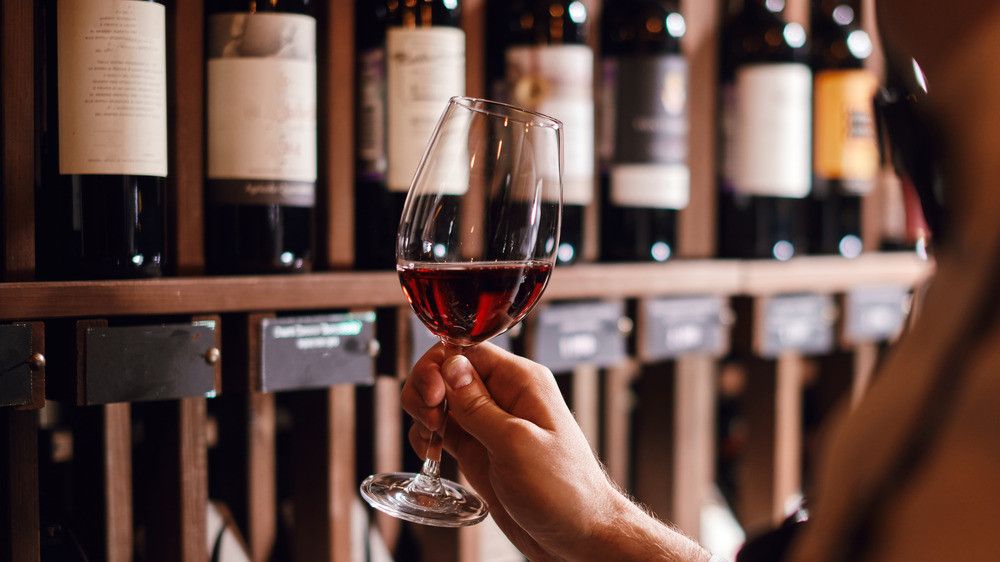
(727, 316)
(625, 325)
(213, 355)
(830, 313)
(374, 348)
(37, 362)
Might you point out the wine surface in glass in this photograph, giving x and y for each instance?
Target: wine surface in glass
(467, 304)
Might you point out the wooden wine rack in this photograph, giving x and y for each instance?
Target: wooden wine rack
(664, 452)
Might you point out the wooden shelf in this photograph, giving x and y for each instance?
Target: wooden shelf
(832, 274)
(589, 281)
(191, 295)
(317, 291)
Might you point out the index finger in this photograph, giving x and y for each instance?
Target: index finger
(517, 384)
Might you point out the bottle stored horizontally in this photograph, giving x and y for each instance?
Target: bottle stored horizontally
(261, 136)
(404, 85)
(103, 131)
(766, 118)
(845, 151)
(644, 173)
(550, 69)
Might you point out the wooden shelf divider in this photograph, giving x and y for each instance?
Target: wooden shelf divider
(17, 140)
(336, 290)
(19, 502)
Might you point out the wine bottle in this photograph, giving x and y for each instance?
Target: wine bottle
(550, 69)
(424, 58)
(103, 131)
(766, 115)
(502, 25)
(644, 174)
(261, 136)
(374, 245)
(845, 153)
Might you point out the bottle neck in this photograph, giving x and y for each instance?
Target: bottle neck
(230, 6)
(553, 23)
(424, 13)
(655, 29)
(773, 6)
(840, 13)
(838, 40)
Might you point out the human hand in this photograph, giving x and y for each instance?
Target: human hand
(517, 443)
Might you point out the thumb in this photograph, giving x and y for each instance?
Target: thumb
(470, 402)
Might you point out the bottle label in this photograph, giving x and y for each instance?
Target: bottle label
(844, 128)
(426, 67)
(261, 107)
(773, 130)
(262, 192)
(608, 114)
(649, 166)
(558, 80)
(656, 186)
(112, 72)
(372, 159)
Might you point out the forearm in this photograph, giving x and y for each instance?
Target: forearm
(631, 534)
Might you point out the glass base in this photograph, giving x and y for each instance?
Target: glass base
(425, 500)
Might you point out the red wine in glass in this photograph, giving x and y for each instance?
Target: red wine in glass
(466, 304)
(476, 244)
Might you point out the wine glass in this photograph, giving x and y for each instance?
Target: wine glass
(477, 241)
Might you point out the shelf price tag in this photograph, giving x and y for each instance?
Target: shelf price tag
(675, 326)
(802, 323)
(874, 314)
(317, 351)
(423, 339)
(15, 369)
(142, 363)
(570, 334)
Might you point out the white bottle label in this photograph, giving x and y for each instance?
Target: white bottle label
(656, 186)
(261, 102)
(112, 61)
(559, 81)
(773, 130)
(426, 67)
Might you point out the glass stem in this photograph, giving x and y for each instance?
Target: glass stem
(429, 479)
(432, 464)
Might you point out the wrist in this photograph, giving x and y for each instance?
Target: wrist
(626, 532)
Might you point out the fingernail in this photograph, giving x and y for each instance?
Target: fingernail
(457, 371)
